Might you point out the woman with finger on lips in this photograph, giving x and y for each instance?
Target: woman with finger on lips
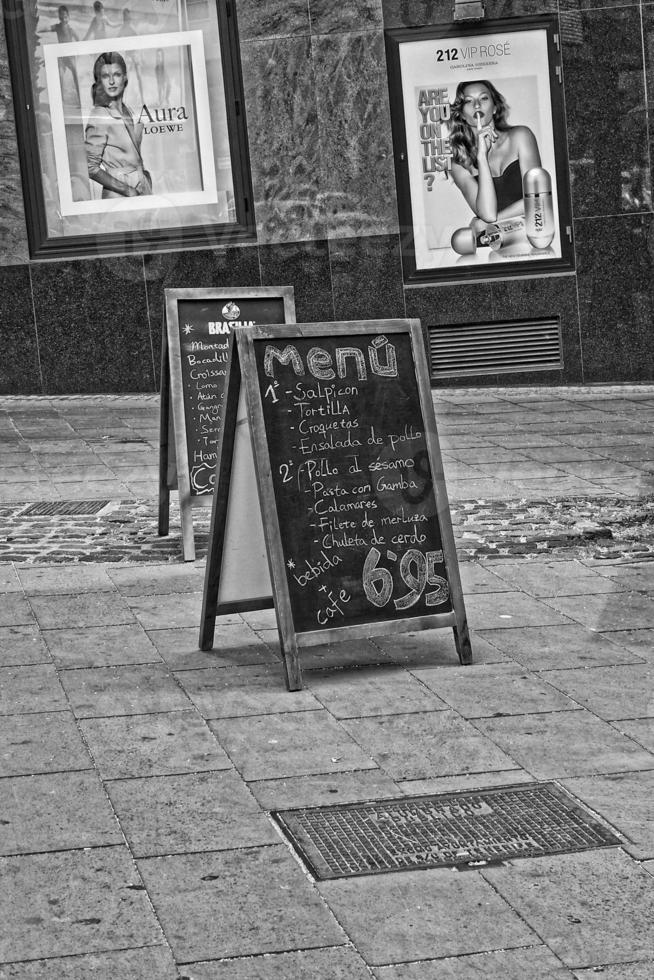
(489, 157)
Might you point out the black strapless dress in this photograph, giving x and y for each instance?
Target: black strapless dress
(508, 186)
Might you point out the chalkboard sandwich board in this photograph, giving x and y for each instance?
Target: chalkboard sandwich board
(352, 499)
(194, 368)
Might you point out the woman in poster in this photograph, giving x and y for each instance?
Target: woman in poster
(112, 139)
(489, 157)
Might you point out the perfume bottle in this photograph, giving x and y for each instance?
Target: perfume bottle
(496, 235)
(539, 208)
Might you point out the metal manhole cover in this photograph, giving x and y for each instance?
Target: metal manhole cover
(451, 830)
(64, 508)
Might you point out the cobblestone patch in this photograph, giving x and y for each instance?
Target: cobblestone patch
(126, 531)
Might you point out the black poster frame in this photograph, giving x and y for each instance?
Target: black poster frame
(465, 267)
(25, 70)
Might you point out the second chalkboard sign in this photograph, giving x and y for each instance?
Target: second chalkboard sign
(351, 489)
(195, 366)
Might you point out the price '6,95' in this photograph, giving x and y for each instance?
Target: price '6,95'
(417, 572)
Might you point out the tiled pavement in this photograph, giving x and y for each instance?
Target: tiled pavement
(137, 773)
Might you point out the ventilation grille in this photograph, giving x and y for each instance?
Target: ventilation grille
(457, 350)
(64, 508)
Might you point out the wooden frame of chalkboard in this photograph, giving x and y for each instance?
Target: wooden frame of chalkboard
(198, 323)
(352, 496)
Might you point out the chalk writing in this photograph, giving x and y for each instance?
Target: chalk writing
(204, 329)
(352, 482)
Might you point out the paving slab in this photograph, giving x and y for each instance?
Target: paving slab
(480, 578)
(298, 744)
(9, 581)
(490, 690)
(71, 902)
(641, 730)
(347, 653)
(610, 692)
(15, 610)
(372, 691)
(157, 744)
(130, 964)
(335, 963)
(130, 690)
(208, 811)
(554, 578)
(591, 908)
(419, 915)
(624, 800)
(234, 645)
(615, 611)
(448, 745)
(434, 647)
(463, 781)
(559, 647)
(24, 690)
(323, 789)
(81, 609)
(622, 971)
(565, 743)
(22, 645)
(510, 609)
(232, 692)
(237, 903)
(173, 609)
(536, 962)
(64, 579)
(55, 812)
(636, 576)
(640, 642)
(100, 646)
(39, 743)
(157, 579)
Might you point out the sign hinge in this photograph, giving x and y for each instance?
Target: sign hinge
(557, 42)
(559, 74)
(568, 231)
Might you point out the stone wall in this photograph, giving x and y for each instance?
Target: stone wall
(321, 157)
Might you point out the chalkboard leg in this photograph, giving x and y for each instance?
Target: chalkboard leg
(462, 642)
(292, 665)
(188, 539)
(164, 439)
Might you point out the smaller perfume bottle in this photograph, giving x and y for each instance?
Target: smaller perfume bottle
(496, 235)
(539, 208)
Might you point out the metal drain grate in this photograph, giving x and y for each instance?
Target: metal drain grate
(64, 508)
(453, 830)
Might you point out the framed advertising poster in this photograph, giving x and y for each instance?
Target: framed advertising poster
(128, 125)
(480, 150)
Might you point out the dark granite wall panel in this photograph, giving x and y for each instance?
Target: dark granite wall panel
(328, 17)
(547, 297)
(357, 172)
(616, 297)
(607, 114)
(185, 270)
(423, 13)
(316, 100)
(367, 278)
(13, 233)
(284, 140)
(648, 45)
(19, 361)
(93, 328)
(274, 18)
(305, 266)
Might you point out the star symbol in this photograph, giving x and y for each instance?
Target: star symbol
(290, 563)
(187, 328)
